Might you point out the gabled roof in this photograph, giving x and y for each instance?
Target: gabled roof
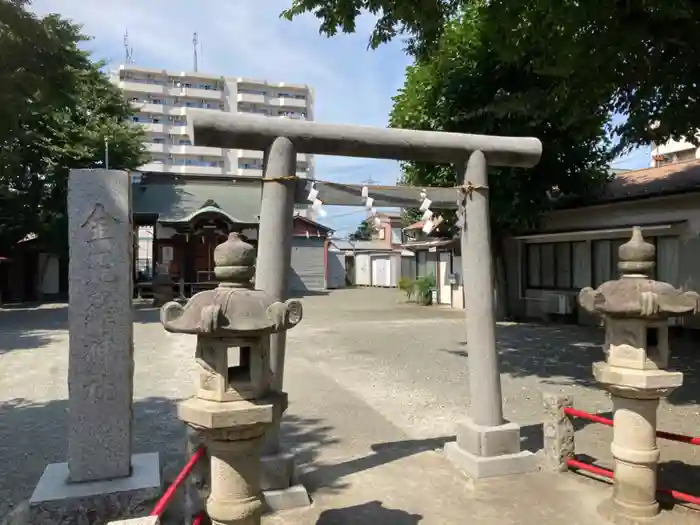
(181, 201)
(315, 224)
(654, 182)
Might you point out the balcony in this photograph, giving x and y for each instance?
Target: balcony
(184, 149)
(146, 107)
(248, 172)
(179, 169)
(209, 94)
(286, 102)
(252, 98)
(171, 129)
(141, 87)
(158, 167)
(258, 155)
(150, 127)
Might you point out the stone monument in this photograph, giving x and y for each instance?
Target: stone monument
(234, 402)
(636, 309)
(101, 479)
(162, 285)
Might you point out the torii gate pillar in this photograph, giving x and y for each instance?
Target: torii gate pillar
(486, 444)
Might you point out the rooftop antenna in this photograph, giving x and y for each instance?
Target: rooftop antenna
(194, 47)
(128, 51)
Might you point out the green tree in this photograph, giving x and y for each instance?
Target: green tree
(641, 53)
(466, 87)
(57, 112)
(363, 232)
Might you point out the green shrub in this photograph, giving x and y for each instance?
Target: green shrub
(424, 289)
(407, 286)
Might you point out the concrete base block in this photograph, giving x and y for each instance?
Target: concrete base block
(277, 472)
(57, 501)
(480, 467)
(290, 498)
(488, 441)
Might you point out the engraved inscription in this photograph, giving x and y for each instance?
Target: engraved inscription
(98, 223)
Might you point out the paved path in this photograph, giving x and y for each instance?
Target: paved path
(376, 387)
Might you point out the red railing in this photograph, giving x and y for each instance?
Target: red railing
(681, 438)
(165, 499)
(593, 469)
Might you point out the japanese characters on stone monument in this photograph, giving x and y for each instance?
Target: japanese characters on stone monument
(636, 310)
(233, 403)
(101, 473)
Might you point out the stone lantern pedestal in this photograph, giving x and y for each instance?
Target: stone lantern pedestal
(234, 404)
(636, 309)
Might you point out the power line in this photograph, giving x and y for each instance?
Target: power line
(347, 214)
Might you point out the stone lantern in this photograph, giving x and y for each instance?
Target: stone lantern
(233, 404)
(636, 310)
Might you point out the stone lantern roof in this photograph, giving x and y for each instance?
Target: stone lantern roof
(635, 294)
(234, 308)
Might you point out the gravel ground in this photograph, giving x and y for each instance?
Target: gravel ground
(408, 363)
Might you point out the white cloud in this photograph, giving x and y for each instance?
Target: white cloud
(247, 38)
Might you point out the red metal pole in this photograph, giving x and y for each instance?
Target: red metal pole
(182, 476)
(590, 417)
(681, 438)
(680, 496)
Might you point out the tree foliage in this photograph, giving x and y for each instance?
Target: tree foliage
(363, 232)
(466, 87)
(641, 54)
(57, 110)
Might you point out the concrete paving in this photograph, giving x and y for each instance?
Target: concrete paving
(376, 387)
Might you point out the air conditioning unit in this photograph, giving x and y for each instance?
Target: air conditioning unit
(560, 304)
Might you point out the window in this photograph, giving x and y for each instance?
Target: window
(396, 235)
(555, 266)
(605, 256)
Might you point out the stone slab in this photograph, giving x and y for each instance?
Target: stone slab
(148, 520)
(100, 317)
(488, 441)
(55, 500)
(479, 467)
(212, 414)
(292, 497)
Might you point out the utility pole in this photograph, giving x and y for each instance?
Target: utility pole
(128, 51)
(194, 47)
(106, 153)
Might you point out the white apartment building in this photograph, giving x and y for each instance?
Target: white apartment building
(671, 152)
(161, 100)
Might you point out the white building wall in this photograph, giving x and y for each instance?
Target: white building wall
(673, 222)
(162, 100)
(671, 152)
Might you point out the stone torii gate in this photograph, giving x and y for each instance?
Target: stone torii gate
(486, 444)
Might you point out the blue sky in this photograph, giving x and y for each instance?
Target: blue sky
(247, 38)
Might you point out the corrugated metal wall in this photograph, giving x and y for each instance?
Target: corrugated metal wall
(307, 267)
(336, 270)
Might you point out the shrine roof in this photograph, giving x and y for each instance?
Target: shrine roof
(181, 201)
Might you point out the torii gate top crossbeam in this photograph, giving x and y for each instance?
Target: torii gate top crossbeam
(254, 132)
